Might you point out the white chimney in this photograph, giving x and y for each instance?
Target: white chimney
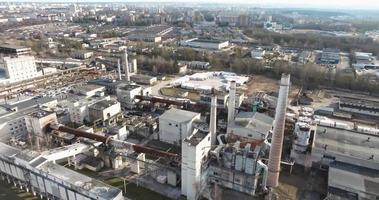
(134, 61)
(232, 102)
(126, 67)
(278, 133)
(213, 118)
(119, 69)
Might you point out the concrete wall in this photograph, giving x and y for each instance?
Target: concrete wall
(192, 157)
(172, 132)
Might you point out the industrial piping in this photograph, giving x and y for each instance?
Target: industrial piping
(232, 101)
(278, 133)
(109, 141)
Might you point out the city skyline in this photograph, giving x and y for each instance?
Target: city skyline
(321, 4)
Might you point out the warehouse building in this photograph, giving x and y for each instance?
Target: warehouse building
(359, 106)
(329, 56)
(14, 50)
(205, 43)
(176, 124)
(49, 180)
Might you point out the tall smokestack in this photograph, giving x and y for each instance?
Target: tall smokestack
(134, 61)
(232, 101)
(213, 118)
(119, 69)
(126, 67)
(278, 133)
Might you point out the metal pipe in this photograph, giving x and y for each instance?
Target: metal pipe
(126, 66)
(213, 119)
(232, 101)
(114, 142)
(278, 133)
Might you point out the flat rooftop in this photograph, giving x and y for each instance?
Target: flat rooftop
(359, 101)
(129, 87)
(141, 76)
(355, 145)
(208, 41)
(87, 87)
(178, 115)
(7, 151)
(11, 46)
(101, 105)
(196, 138)
(40, 113)
(80, 181)
(258, 123)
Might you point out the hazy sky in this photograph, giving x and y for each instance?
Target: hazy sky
(332, 4)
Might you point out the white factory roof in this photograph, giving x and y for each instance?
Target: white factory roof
(206, 80)
(350, 143)
(257, 123)
(360, 178)
(81, 182)
(178, 115)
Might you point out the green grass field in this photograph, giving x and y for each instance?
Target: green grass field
(133, 191)
(9, 192)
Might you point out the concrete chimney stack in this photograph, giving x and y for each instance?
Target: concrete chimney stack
(213, 118)
(134, 61)
(119, 69)
(232, 102)
(278, 133)
(126, 67)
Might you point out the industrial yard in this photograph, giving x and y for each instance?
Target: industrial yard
(160, 101)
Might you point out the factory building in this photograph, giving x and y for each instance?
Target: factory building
(36, 124)
(258, 53)
(222, 99)
(48, 180)
(336, 141)
(146, 37)
(329, 56)
(19, 68)
(109, 84)
(363, 57)
(196, 64)
(126, 93)
(143, 79)
(359, 106)
(175, 125)
(13, 115)
(14, 50)
(252, 125)
(346, 181)
(83, 55)
(304, 131)
(78, 108)
(150, 34)
(88, 90)
(195, 150)
(205, 44)
(105, 111)
(237, 168)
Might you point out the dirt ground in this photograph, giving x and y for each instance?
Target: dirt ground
(263, 84)
(310, 185)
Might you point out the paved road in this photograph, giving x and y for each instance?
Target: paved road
(155, 89)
